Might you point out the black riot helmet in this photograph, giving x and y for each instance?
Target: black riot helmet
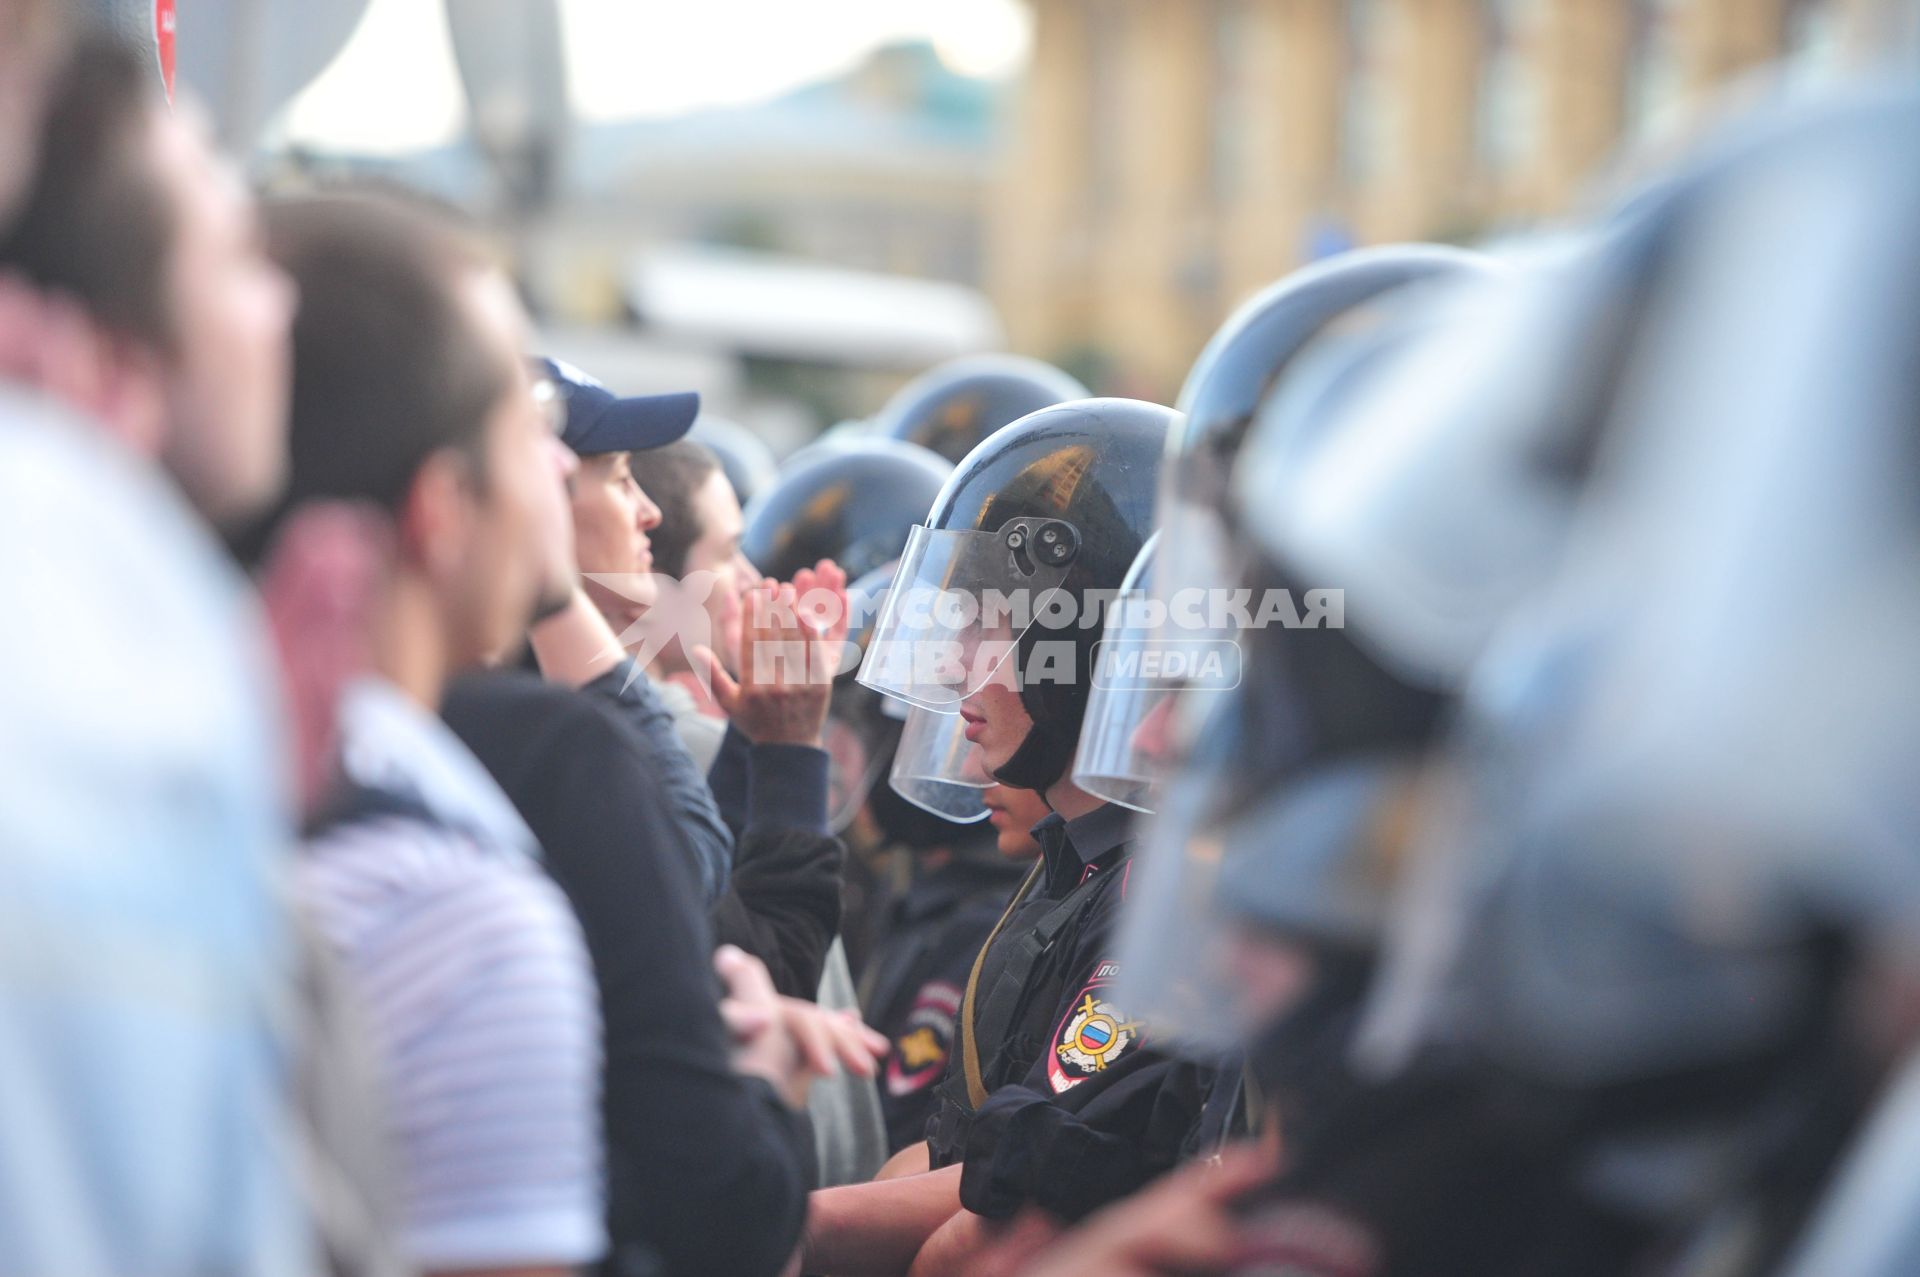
(1286, 819)
(744, 456)
(1200, 549)
(952, 407)
(853, 503)
(1243, 361)
(1036, 529)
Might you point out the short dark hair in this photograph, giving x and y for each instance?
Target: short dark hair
(670, 476)
(387, 370)
(95, 222)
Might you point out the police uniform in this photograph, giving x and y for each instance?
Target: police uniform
(1078, 1110)
(1053, 1097)
(918, 975)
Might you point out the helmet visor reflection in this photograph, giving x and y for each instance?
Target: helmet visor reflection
(961, 600)
(937, 769)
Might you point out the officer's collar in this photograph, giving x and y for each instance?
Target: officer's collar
(1091, 836)
(1099, 831)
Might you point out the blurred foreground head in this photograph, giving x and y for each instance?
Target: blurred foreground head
(170, 321)
(30, 46)
(1276, 832)
(1681, 753)
(411, 393)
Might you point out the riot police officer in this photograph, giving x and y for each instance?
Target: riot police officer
(1633, 962)
(743, 455)
(1053, 1099)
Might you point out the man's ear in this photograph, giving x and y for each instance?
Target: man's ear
(436, 518)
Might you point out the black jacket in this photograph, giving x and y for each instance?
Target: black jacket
(761, 810)
(1081, 1109)
(917, 973)
(694, 1150)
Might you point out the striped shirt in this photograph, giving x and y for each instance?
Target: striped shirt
(475, 983)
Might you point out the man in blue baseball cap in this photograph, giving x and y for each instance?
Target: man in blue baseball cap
(784, 904)
(611, 515)
(599, 422)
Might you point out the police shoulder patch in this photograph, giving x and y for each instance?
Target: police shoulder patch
(919, 1054)
(1091, 1036)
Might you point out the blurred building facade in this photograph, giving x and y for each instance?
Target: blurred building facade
(795, 259)
(1169, 157)
(884, 169)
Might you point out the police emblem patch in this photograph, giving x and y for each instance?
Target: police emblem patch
(1091, 1038)
(919, 1054)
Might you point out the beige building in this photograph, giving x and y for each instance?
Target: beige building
(1169, 157)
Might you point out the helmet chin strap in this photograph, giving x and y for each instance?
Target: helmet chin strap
(1040, 761)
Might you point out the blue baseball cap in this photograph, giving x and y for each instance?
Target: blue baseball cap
(599, 421)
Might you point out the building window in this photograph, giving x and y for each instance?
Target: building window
(1656, 85)
(1364, 133)
(1815, 44)
(1107, 89)
(1233, 98)
(1508, 108)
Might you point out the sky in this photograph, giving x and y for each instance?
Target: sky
(394, 87)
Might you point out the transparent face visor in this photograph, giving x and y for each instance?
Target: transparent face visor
(1217, 937)
(859, 737)
(1197, 564)
(1195, 604)
(937, 769)
(1127, 740)
(1403, 465)
(960, 602)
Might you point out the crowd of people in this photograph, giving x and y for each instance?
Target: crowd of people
(1431, 801)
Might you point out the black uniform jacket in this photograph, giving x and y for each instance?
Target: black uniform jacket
(918, 972)
(1081, 1109)
(693, 1148)
(761, 815)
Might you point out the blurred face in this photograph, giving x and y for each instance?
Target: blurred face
(1156, 739)
(228, 378)
(611, 519)
(504, 560)
(717, 550)
(1013, 813)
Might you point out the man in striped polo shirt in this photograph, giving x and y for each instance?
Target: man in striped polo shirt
(410, 394)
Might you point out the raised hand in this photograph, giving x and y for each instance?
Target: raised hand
(790, 642)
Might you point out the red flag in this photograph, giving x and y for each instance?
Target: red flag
(163, 24)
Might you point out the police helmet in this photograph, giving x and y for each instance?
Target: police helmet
(952, 407)
(1036, 528)
(853, 503)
